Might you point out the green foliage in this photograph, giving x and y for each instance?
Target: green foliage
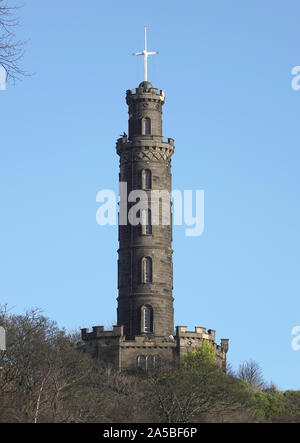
(45, 378)
(292, 401)
(265, 405)
(205, 355)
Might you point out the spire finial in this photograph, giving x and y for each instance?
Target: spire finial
(145, 53)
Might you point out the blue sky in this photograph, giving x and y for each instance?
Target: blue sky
(226, 69)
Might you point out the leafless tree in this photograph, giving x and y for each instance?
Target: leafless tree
(11, 48)
(250, 371)
(193, 394)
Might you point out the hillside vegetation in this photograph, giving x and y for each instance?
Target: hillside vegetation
(44, 377)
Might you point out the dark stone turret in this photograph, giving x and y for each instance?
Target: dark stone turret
(145, 163)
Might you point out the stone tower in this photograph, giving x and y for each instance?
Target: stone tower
(144, 335)
(145, 283)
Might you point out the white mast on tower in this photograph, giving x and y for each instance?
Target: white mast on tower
(145, 53)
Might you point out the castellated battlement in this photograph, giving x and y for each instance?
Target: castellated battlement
(200, 333)
(124, 144)
(99, 332)
(191, 340)
(145, 91)
(112, 347)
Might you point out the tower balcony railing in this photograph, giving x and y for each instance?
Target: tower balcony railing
(155, 90)
(160, 138)
(152, 137)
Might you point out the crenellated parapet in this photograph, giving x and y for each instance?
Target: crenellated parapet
(123, 144)
(99, 332)
(194, 338)
(113, 347)
(145, 93)
(191, 340)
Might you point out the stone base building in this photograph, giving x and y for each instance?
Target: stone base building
(148, 352)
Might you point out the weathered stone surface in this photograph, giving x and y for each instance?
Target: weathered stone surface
(145, 151)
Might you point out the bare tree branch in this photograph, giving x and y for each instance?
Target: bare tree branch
(251, 372)
(11, 48)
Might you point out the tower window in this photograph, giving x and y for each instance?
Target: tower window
(147, 123)
(146, 270)
(146, 179)
(146, 316)
(147, 320)
(146, 222)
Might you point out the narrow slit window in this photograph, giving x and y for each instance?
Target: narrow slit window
(147, 179)
(147, 126)
(146, 222)
(147, 320)
(147, 270)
